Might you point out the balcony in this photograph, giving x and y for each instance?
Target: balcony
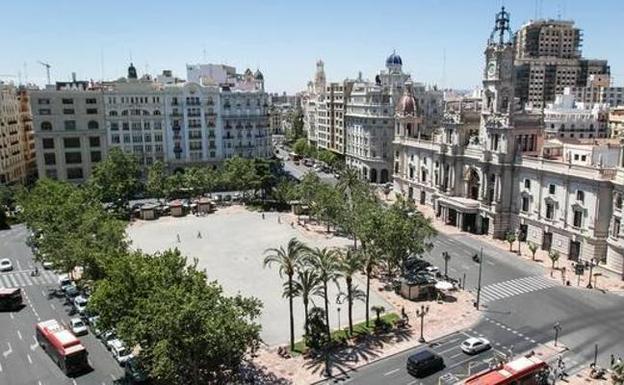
(193, 114)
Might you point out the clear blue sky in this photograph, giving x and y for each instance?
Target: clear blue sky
(283, 38)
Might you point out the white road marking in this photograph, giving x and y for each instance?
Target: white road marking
(19, 334)
(29, 359)
(52, 306)
(0, 368)
(73, 381)
(456, 355)
(11, 315)
(19, 267)
(6, 353)
(34, 346)
(390, 372)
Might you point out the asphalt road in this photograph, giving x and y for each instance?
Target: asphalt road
(298, 171)
(519, 309)
(22, 361)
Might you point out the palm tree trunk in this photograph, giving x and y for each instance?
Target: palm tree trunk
(350, 303)
(292, 316)
(305, 312)
(326, 310)
(367, 296)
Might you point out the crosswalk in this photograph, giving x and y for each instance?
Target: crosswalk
(23, 278)
(514, 287)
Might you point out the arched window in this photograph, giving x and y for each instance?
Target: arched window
(156, 112)
(46, 126)
(146, 112)
(93, 125)
(580, 196)
(618, 201)
(112, 113)
(124, 113)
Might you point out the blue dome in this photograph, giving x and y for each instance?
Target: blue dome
(394, 59)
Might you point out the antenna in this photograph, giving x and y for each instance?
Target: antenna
(47, 66)
(443, 85)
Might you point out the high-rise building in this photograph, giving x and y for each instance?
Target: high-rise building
(548, 58)
(17, 153)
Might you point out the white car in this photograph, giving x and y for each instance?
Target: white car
(80, 303)
(474, 345)
(78, 327)
(120, 352)
(64, 282)
(5, 265)
(47, 265)
(433, 270)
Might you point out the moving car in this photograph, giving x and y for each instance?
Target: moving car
(5, 264)
(78, 327)
(423, 363)
(120, 352)
(474, 345)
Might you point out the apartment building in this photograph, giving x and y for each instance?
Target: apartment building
(616, 122)
(70, 130)
(567, 118)
(599, 90)
(17, 154)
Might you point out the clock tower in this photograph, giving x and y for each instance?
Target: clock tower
(498, 91)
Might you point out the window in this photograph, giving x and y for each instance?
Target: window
(578, 218)
(71, 142)
(73, 157)
(115, 139)
(94, 141)
(551, 189)
(70, 125)
(46, 126)
(550, 210)
(92, 111)
(47, 143)
(68, 101)
(112, 113)
(96, 156)
(525, 204)
(615, 231)
(93, 125)
(49, 158)
(527, 184)
(114, 126)
(68, 111)
(43, 101)
(618, 201)
(584, 158)
(580, 196)
(91, 101)
(44, 111)
(74, 173)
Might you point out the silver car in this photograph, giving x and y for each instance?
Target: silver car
(474, 345)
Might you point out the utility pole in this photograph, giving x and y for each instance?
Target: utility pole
(557, 328)
(47, 66)
(479, 281)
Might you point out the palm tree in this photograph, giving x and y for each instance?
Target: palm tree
(533, 249)
(308, 283)
(510, 237)
(347, 184)
(288, 260)
(372, 256)
(378, 310)
(326, 265)
(554, 257)
(350, 263)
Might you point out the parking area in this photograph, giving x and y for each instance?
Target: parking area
(230, 246)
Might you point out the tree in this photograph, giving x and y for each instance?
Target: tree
(511, 238)
(327, 204)
(447, 258)
(371, 260)
(240, 174)
(554, 257)
(318, 329)
(266, 178)
(116, 179)
(301, 147)
(187, 329)
(378, 309)
(307, 284)
(533, 249)
(288, 261)
(284, 192)
(617, 372)
(156, 185)
(349, 263)
(327, 266)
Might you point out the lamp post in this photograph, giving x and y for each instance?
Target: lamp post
(479, 281)
(422, 313)
(338, 310)
(519, 235)
(591, 265)
(557, 328)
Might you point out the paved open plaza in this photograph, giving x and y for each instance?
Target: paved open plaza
(230, 245)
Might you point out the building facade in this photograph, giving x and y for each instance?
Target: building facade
(17, 152)
(616, 122)
(489, 170)
(548, 58)
(567, 118)
(70, 130)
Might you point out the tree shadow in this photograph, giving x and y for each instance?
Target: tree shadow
(251, 373)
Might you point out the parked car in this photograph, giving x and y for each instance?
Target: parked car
(71, 292)
(120, 352)
(135, 373)
(474, 345)
(423, 363)
(433, 270)
(47, 265)
(64, 282)
(107, 337)
(78, 327)
(5, 264)
(80, 303)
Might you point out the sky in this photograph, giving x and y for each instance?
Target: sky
(440, 41)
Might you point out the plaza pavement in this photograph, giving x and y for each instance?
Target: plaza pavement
(231, 250)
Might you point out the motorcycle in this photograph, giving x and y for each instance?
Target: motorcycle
(476, 258)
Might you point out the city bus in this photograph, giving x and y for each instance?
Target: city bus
(11, 298)
(62, 346)
(526, 370)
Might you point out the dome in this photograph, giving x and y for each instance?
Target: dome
(394, 59)
(258, 75)
(407, 103)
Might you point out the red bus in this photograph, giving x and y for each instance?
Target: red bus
(11, 298)
(527, 370)
(62, 346)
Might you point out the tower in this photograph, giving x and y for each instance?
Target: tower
(319, 77)
(132, 72)
(498, 91)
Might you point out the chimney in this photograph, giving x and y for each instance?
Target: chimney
(73, 77)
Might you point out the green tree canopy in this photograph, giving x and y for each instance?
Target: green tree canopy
(156, 185)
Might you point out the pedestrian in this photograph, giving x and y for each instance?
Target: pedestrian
(199, 234)
(279, 219)
(178, 237)
(292, 224)
(262, 215)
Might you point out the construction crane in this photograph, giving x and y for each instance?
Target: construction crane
(47, 66)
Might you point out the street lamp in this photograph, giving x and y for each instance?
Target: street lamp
(479, 281)
(557, 328)
(519, 235)
(338, 310)
(422, 313)
(591, 265)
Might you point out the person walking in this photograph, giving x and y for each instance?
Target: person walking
(178, 237)
(279, 219)
(262, 215)
(199, 234)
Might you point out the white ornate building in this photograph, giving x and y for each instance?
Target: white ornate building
(492, 173)
(567, 118)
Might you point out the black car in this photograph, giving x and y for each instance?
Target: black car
(423, 363)
(135, 373)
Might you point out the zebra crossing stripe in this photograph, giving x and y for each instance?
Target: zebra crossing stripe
(1, 282)
(20, 281)
(13, 281)
(29, 281)
(49, 277)
(515, 287)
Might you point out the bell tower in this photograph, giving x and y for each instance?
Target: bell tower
(498, 90)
